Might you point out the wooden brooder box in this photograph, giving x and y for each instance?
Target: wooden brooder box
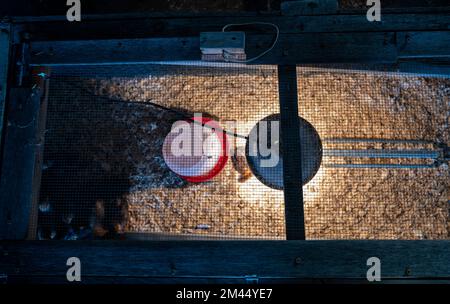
(79, 161)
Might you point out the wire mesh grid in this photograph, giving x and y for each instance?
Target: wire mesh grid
(104, 152)
(382, 175)
(105, 174)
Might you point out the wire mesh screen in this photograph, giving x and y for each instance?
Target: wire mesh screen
(382, 137)
(106, 172)
(384, 173)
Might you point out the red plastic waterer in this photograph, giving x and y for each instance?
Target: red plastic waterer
(210, 143)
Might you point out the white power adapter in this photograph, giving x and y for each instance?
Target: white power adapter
(230, 46)
(223, 46)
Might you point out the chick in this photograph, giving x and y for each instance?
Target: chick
(97, 220)
(240, 164)
(45, 206)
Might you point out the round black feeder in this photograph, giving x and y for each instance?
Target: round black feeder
(272, 176)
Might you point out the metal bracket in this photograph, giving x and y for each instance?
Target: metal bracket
(251, 279)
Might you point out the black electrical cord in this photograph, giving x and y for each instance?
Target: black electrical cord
(149, 102)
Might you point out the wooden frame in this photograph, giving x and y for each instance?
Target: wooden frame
(224, 261)
(414, 41)
(321, 41)
(403, 42)
(5, 30)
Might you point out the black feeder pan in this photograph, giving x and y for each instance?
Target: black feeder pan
(311, 154)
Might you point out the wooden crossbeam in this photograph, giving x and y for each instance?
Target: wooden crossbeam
(125, 27)
(377, 47)
(225, 261)
(291, 151)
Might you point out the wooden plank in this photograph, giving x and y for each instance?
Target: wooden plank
(430, 66)
(397, 5)
(185, 27)
(424, 44)
(57, 7)
(23, 9)
(41, 81)
(115, 51)
(291, 149)
(290, 49)
(359, 23)
(329, 48)
(445, 8)
(100, 260)
(18, 163)
(375, 47)
(4, 64)
(168, 281)
(309, 7)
